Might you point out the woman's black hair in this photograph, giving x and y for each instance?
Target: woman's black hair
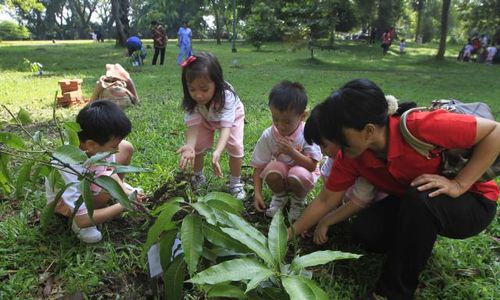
(101, 121)
(356, 104)
(206, 64)
(288, 95)
(312, 134)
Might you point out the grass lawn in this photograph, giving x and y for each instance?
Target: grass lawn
(49, 263)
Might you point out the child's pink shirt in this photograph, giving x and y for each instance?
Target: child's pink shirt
(232, 110)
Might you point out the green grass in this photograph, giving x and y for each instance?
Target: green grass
(466, 269)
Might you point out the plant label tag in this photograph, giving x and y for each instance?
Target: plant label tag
(154, 257)
(154, 261)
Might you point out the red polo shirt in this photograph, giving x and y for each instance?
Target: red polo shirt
(440, 128)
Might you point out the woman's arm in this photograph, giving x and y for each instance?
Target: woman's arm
(338, 215)
(321, 205)
(486, 150)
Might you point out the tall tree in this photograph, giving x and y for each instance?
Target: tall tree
(418, 6)
(120, 11)
(444, 29)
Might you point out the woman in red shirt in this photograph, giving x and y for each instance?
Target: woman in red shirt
(421, 203)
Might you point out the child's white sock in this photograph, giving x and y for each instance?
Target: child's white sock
(234, 180)
(281, 194)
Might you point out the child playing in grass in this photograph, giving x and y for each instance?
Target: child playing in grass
(282, 158)
(103, 128)
(211, 104)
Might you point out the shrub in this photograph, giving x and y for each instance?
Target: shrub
(11, 31)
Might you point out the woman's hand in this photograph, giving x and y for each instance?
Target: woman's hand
(215, 163)
(258, 202)
(441, 184)
(187, 156)
(321, 233)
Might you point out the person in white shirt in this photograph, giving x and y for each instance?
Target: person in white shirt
(492, 51)
(282, 158)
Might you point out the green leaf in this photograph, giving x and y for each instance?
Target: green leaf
(167, 240)
(319, 258)
(4, 165)
(73, 126)
(240, 224)
(167, 205)
(91, 161)
(11, 140)
(22, 177)
(232, 270)
(173, 278)
(88, 198)
(24, 117)
(192, 241)
(278, 237)
(258, 248)
(301, 288)
(128, 169)
(217, 237)
(70, 154)
(72, 134)
(163, 223)
(209, 254)
(37, 136)
(206, 211)
(222, 206)
(226, 290)
(255, 281)
(224, 197)
(114, 189)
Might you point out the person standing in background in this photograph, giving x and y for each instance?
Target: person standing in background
(159, 41)
(184, 42)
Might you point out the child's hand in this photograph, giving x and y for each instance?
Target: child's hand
(258, 202)
(215, 163)
(285, 146)
(320, 233)
(187, 156)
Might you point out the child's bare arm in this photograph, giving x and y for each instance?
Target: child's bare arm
(320, 206)
(187, 151)
(258, 201)
(221, 144)
(304, 161)
(100, 216)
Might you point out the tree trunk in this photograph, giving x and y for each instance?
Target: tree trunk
(444, 29)
(119, 10)
(420, 9)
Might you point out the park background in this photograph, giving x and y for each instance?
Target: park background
(50, 262)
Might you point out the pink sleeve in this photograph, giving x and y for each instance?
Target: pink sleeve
(192, 119)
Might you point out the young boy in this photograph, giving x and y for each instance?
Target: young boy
(282, 158)
(103, 127)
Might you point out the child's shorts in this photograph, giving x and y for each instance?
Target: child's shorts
(234, 145)
(306, 178)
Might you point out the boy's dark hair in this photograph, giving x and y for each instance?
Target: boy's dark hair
(154, 23)
(206, 64)
(101, 121)
(288, 95)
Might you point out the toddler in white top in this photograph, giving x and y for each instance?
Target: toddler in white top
(211, 104)
(492, 51)
(282, 158)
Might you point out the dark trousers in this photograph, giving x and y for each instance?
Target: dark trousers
(406, 229)
(161, 52)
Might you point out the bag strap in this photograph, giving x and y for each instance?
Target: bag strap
(420, 146)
